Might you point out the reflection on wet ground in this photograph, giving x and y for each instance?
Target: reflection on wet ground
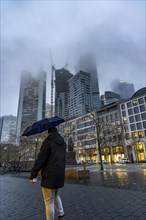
(119, 179)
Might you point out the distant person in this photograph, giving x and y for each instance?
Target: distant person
(51, 162)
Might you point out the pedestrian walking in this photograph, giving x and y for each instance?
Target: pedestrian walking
(51, 162)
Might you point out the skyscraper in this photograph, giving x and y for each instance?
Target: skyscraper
(79, 94)
(32, 99)
(61, 92)
(124, 89)
(87, 63)
(8, 129)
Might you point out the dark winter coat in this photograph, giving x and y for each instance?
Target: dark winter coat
(51, 162)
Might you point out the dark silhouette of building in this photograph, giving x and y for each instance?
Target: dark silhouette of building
(87, 63)
(126, 90)
(61, 92)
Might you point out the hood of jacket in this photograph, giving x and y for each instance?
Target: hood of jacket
(56, 138)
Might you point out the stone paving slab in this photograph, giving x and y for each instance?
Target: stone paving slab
(22, 200)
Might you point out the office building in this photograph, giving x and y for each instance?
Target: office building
(61, 92)
(87, 63)
(133, 113)
(79, 94)
(109, 97)
(32, 100)
(124, 89)
(8, 129)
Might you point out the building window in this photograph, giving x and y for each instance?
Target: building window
(142, 108)
(133, 127)
(136, 110)
(123, 106)
(130, 111)
(126, 128)
(127, 136)
(141, 134)
(143, 115)
(137, 118)
(140, 101)
(129, 105)
(144, 124)
(123, 113)
(134, 135)
(135, 103)
(145, 98)
(139, 126)
(131, 119)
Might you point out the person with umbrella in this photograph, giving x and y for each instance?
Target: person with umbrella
(51, 162)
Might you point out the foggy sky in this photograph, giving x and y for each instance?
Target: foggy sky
(113, 30)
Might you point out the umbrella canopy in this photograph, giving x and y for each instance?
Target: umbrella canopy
(42, 125)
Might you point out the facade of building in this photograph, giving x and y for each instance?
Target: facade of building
(61, 92)
(32, 100)
(109, 97)
(118, 129)
(124, 89)
(87, 63)
(79, 94)
(133, 113)
(8, 129)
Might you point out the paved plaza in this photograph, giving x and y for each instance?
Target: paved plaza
(21, 200)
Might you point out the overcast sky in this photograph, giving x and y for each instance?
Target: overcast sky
(114, 30)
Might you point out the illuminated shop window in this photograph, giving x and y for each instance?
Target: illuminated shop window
(139, 146)
(134, 135)
(140, 134)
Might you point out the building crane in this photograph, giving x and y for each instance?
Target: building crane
(52, 85)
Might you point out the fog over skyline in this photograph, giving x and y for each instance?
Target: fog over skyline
(113, 30)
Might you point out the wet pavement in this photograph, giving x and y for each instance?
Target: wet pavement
(102, 197)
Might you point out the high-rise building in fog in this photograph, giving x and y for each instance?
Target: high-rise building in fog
(87, 63)
(8, 129)
(109, 97)
(79, 94)
(32, 100)
(61, 92)
(126, 90)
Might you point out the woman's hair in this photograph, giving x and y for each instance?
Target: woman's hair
(52, 130)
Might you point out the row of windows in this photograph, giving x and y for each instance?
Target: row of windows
(133, 103)
(134, 110)
(86, 130)
(85, 124)
(138, 117)
(138, 126)
(134, 135)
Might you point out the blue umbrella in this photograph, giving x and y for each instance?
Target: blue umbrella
(42, 125)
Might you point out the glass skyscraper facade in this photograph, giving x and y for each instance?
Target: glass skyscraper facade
(87, 63)
(32, 99)
(79, 94)
(61, 92)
